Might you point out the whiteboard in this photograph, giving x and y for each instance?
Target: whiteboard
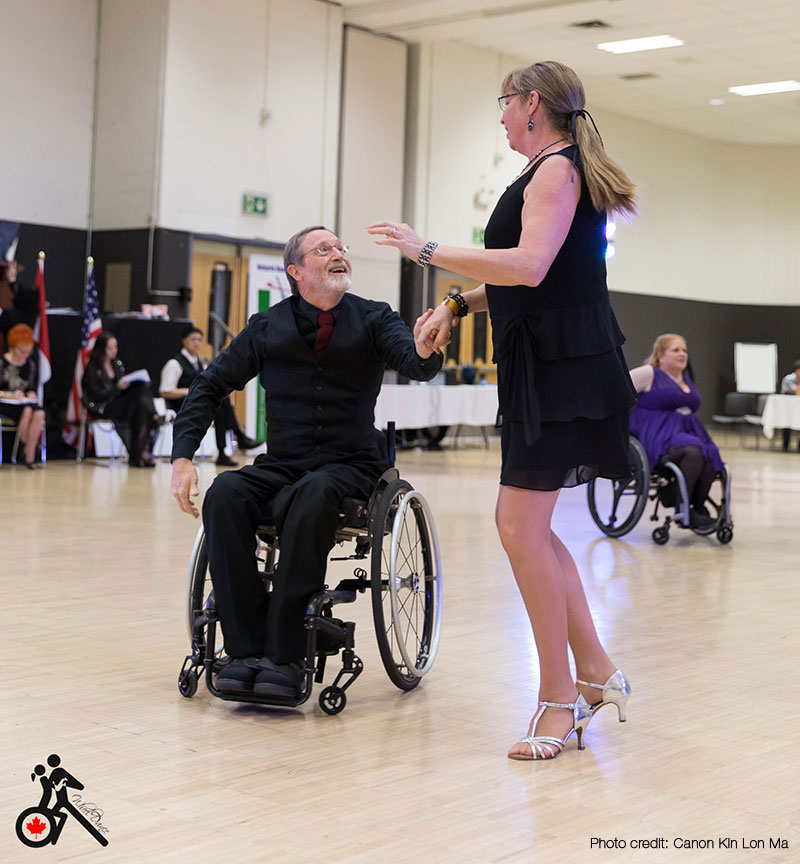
(755, 366)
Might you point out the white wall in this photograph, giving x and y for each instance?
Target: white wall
(47, 71)
(132, 39)
(373, 135)
(227, 63)
(718, 222)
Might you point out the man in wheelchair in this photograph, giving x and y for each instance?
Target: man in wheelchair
(320, 355)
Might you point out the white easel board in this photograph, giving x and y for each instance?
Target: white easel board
(756, 367)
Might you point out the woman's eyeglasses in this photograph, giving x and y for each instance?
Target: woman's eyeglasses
(503, 101)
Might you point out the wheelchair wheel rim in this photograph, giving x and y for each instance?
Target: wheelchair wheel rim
(605, 496)
(199, 590)
(415, 582)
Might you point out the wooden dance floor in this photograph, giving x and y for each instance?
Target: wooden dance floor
(94, 560)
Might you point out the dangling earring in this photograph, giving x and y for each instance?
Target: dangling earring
(530, 123)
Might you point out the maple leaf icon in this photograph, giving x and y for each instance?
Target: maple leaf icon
(36, 826)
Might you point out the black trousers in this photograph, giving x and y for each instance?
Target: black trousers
(302, 498)
(225, 419)
(134, 413)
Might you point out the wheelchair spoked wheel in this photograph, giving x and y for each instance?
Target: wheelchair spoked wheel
(617, 505)
(406, 582)
(199, 601)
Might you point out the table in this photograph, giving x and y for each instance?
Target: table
(419, 406)
(780, 412)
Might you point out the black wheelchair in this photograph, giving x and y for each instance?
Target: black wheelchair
(616, 506)
(395, 532)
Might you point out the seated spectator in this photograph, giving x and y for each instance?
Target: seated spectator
(790, 386)
(176, 378)
(129, 404)
(665, 422)
(19, 381)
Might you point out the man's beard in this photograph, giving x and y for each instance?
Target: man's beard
(339, 282)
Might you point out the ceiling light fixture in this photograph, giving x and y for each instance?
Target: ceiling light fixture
(761, 89)
(647, 43)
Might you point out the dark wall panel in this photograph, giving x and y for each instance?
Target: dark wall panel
(710, 329)
(171, 263)
(65, 249)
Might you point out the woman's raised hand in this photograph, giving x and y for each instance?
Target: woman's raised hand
(399, 235)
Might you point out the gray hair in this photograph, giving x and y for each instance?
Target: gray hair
(291, 253)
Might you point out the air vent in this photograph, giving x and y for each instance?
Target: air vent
(592, 25)
(638, 76)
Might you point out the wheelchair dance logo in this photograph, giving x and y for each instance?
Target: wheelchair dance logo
(42, 824)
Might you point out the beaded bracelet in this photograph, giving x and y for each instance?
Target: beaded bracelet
(426, 252)
(457, 305)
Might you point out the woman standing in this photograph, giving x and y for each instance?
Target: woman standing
(563, 386)
(108, 396)
(19, 380)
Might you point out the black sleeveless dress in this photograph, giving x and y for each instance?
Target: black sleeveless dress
(563, 385)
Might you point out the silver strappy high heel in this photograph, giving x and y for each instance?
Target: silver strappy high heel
(615, 692)
(547, 746)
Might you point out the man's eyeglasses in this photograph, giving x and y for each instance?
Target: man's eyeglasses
(503, 101)
(326, 249)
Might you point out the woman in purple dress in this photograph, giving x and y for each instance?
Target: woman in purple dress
(666, 423)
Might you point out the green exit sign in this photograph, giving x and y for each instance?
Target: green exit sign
(477, 236)
(255, 205)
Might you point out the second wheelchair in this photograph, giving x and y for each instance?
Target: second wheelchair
(616, 506)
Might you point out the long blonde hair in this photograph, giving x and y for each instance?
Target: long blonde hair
(561, 95)
(660, 346)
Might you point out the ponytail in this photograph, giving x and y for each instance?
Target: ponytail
(562, 98)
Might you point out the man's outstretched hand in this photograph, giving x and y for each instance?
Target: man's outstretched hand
(184, 485)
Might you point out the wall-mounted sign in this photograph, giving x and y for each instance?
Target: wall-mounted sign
(254, 205)
(477, 236)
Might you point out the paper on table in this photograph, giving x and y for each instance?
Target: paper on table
(137, 375)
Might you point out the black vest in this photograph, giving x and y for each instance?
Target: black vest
(188, 374)
(321, 405)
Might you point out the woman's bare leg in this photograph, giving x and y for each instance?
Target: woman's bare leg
(33, 434)
(23, 426)
(591, 661)
(523, 522)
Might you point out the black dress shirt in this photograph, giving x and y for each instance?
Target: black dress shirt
(323, 405)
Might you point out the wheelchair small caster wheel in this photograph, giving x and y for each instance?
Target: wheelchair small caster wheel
(332, 700)
(660, 536)
(187, 683)
(725, 534)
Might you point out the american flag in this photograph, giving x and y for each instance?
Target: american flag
(91, 329)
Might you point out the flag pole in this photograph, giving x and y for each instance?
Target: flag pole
(42, 337)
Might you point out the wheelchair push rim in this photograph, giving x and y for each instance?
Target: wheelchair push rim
(636, 486)
(199, 593)
(406, 584)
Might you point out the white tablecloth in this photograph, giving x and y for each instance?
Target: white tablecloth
(780, 412)
(417, 406)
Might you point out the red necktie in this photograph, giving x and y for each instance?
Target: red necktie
(325, 321)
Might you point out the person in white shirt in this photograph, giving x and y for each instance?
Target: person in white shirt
(176, 379)
(790, 386)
